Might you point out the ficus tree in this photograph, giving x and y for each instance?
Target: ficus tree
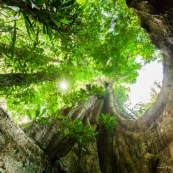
(86, 44)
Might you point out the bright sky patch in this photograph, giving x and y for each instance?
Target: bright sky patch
(141, 90)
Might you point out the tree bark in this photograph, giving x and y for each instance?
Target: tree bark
(18, 153)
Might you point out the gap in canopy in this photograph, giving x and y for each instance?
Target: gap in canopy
(148, 84)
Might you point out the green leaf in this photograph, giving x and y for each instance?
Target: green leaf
(57, 23)
(14, 8)
(43, 121)
(33, 5)
(66, 131)
(112, 118)
(13, 40)
(62, 117)
(64, 21)
(29, 27)
(43, 111)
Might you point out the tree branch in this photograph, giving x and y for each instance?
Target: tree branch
(19, 79)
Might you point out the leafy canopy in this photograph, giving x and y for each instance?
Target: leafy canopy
(82, 42)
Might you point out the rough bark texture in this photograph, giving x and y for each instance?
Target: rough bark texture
(144, 145)
(18, 154)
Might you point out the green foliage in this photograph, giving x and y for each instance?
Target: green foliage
(107, 121)
(79, 42)
(81, 94)
(76, 129)
(121, 92)
(111, 43)
(95, 89)
(53, 15)
(37, 114)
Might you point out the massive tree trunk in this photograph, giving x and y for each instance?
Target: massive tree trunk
(144, 145)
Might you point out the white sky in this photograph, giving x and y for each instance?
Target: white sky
(140, 91)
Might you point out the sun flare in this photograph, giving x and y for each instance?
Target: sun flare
(63, 85)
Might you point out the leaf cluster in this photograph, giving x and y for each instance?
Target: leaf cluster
(76, 128)
(107, 121)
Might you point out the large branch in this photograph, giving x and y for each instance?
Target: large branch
(17, 152)
(19, 79)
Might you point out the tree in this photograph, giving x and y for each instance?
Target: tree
(142, 145)
(35, 65)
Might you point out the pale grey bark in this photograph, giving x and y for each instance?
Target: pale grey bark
(18, 153)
